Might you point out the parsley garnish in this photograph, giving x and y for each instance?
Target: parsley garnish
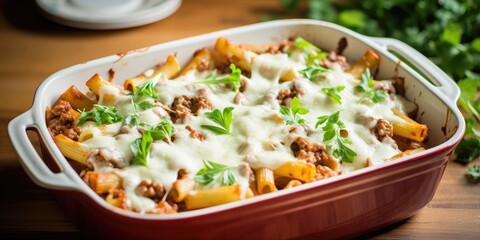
(313, 71)
(215, 172)
(146, 89)
(232, 79)
(365, 86)
(292, 115)
(146, 105)
(305, 45)
(132, 119)
(223, 119)
(473, 174)
(332, 138)
(311, 51)
(101, 115)
(141, 148)
(333, 93)
(163, 130)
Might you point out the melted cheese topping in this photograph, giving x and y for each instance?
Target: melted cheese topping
(259, 136)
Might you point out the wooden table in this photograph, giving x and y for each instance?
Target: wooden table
(32, 48)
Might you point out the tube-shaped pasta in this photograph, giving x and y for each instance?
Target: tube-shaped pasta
(369, 60)
(77, 99)
(95, 83)
(298, 170)
(180, 188)
(293, 183)
(409, 128)
(102, 182)
(216, 196)
(265, 180)
(234, 54)
(408, 152)
(117, 198)
(243, 58)
(131, 83)
(89, 133)
(72, 149)
(202, 60)
(168, 69)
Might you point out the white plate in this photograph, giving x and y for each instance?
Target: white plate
(107, 14)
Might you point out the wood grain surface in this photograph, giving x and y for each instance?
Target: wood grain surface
(32, 48)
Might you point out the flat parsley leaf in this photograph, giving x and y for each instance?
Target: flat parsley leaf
(332, 138)
(215, 172)
(163, 130)
(292, 115)
(223, 119)
(313, 71)
(333, 93)
(232, 79)
(365, 86)
(101, 115)
(147, 88)
(141, 148)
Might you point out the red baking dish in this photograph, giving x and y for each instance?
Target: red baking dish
(339, 207)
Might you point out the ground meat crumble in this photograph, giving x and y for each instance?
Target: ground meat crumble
(61, 121)
(183, 106)
(315, 154)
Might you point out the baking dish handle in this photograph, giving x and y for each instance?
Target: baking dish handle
(29, 158)
(444, 83)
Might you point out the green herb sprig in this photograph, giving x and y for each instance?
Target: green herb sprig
(141, 149)
(215, 172)
(365, 86)
(146, 89)
(333, 93)
(291, 115)
(163, 131)
(313, 71)
(332, 125)
(232, 79)
(223, 119)
(101, 115)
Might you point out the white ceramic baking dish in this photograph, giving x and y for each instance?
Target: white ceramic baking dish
(343, 206)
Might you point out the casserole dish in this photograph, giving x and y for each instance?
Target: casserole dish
(338, 207)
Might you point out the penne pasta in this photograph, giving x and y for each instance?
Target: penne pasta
(180, 189)
(72, 149)
(409, 128)
(265, 180)
(202, 60)
(168, 69)
(117, 198)
(77, 99)
(408, 152)
(369, 60)
(95, 83)
(243, 58)
(298, 170)
(293, 183)
(216, 196)
(102, 182)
